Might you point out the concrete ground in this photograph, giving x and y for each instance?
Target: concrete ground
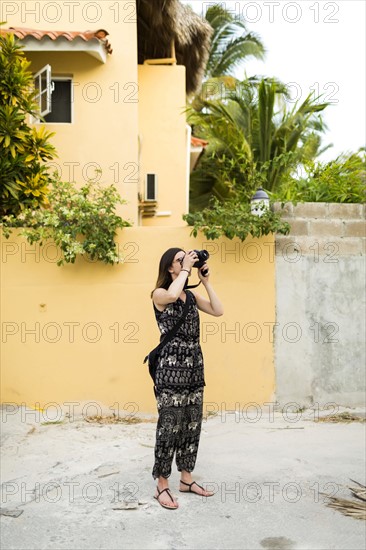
(81, 485)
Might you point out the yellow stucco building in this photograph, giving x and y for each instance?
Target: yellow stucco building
(115, 96)
(119, 73)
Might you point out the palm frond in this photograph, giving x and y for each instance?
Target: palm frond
(231, 42)
(232, 53)
(352, 508)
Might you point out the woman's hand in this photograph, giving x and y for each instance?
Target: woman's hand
(204, 279)
(189, 259)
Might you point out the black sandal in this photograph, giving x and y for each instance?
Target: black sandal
(164, 505)
(190, 490)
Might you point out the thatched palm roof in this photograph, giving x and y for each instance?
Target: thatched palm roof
(161, 21)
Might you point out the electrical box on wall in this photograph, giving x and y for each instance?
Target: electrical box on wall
(151, 191)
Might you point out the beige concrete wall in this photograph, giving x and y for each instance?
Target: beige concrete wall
(80, 332)
(321, 306)
(163, 139)
(322, 229)
(104, 132)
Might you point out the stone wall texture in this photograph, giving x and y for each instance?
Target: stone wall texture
(320, 305)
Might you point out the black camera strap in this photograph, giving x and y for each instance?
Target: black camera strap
(170, 335)
(191, 286)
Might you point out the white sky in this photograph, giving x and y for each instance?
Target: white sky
(313, 43)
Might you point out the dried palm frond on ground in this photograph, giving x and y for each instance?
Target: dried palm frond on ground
(209, 414)
(341, 417)
(353, 508)
(114, 419)
(359, 493)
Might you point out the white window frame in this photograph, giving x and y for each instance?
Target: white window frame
(47, 90)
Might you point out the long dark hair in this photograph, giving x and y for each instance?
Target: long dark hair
(164, 279)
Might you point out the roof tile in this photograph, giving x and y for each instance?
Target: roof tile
(22, 32)
(198, 142)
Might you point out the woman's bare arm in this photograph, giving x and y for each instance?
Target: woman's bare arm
(162, 297)
(212, 306)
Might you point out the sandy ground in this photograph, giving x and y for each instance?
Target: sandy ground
(73, 481)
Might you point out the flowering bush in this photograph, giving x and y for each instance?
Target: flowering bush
(79, 221)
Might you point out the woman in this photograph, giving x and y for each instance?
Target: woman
(179, 380)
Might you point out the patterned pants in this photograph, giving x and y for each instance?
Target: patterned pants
(178, 429)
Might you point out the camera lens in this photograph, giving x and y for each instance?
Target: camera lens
(203, 255)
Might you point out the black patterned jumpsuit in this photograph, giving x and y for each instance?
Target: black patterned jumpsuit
(179, 386)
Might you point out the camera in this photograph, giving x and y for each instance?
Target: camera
(203, 256)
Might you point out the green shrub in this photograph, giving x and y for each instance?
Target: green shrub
(79, 221)
(24, 179)
(340, 180)
(233, 218)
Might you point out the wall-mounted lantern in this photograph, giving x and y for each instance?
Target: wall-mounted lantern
(259, 203)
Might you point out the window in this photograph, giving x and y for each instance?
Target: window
(53, 95)
(60, 101)
(151, 187)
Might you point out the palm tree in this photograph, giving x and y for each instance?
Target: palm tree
(228, 50)
(253, 139)
(231, 45)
